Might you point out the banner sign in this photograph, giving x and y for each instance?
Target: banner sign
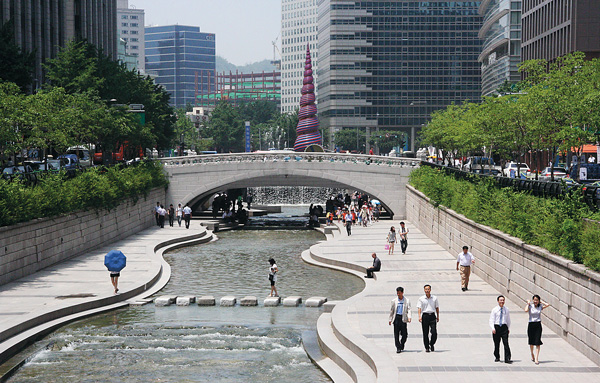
(248, 146)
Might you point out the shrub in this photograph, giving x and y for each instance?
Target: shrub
(554, 224)
(96, 188)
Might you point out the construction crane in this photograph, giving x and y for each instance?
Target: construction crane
(275, 62)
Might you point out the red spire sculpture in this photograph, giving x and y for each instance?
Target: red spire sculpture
(307, 131)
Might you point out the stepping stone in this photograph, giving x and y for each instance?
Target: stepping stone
(165, 300)
(315, 301)
(141, 302)
(206, 300)
(328, 306)
(228, 301)
(185, 300)
(272, 301)
(249, 301)
(293, 301)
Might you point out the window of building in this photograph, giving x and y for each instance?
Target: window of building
(124, 17)
(133, 17)
(124, 24)
(124, 32)
(134, 39)
(134, 24)
(134, 46)
(134, 32)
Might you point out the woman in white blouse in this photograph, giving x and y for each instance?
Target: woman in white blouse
(534, 330)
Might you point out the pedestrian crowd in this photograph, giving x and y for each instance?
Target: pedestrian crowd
(428, 309)
(179, 214)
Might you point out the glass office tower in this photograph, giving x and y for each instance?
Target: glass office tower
(501, 51)
(183, 60)
(390, 64)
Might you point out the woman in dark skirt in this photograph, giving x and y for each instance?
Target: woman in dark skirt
(534, 330)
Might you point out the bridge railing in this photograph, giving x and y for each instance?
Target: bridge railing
(289, 157)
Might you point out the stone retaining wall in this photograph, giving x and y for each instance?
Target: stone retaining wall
(520, 270)
(31, 246)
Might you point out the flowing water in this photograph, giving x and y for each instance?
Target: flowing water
(203, 344)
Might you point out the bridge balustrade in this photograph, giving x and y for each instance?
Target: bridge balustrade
(290, 157)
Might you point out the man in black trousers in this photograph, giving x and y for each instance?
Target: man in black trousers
(500, 324)
(400, 315)
(376, 266)
(429, 315)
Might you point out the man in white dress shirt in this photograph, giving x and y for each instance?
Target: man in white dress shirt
(500, 324)
(465, 260)
(429, 315)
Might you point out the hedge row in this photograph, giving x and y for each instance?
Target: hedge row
(557, 225)
(96, 188)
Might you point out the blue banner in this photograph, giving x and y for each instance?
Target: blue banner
(248, 136)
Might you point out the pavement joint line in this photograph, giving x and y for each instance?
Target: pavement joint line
(460, 336)
(537, 369)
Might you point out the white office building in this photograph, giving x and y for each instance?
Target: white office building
(130, 27)
(298, 28)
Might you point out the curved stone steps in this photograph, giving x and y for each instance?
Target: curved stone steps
(348, 367)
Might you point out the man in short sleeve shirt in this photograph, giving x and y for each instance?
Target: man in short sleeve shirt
(463, 263)
(429, 315)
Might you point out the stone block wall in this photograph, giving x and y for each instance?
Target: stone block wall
(31, 246)
(519, 270)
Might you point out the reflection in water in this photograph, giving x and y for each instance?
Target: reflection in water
(203, 344)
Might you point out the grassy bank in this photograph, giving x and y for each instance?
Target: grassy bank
(557, 225)
(93, 189)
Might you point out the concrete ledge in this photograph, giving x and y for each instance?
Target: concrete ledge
(272, 301)
(293, 301)
(249, 301)
(315, 301)
(228, 301)
(329, 305)
(185, 300)
(206, 300)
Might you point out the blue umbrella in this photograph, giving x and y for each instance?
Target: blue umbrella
(376, 202)
(115, 260)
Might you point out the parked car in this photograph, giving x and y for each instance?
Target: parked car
(482, 165)
(511, 169)
(70, 164)
(83, 153)
(546, 174)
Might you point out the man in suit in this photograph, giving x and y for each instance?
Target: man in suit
(376, 266)
(400, 315)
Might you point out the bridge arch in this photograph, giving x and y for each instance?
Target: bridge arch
(192, 178)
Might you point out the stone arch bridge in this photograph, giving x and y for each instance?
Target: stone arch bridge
(195, 178)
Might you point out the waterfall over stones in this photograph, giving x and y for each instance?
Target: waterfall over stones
(292, 195)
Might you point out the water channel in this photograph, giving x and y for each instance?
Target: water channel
(203, 344)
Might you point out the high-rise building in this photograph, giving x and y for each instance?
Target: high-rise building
(298, 28)
(390, 64)
(554, 28)
(183, 59)
(501, 50)
(130, 26)
(45, 26)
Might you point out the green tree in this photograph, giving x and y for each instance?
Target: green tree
(15, 66)
(226, 128)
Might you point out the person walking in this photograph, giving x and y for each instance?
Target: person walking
(376, 266)
(155, 210)
(400, 315)
(179, 212)
(463, 263)
(114, 279)
(429, 315)
(273, 277)
(187, 214)
(534, 329)
(161, 216)
(171, 215)
(403, 237)
(348, 223)
(391, 240)
(500, 324)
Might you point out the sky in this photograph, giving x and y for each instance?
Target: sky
(244, 28)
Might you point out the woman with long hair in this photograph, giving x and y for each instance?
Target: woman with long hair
(391, 239)
(534, 330)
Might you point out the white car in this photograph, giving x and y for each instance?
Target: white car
(547, 176)
(510, 169)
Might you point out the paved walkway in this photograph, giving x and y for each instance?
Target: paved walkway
(463, 352)
(48, 298)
